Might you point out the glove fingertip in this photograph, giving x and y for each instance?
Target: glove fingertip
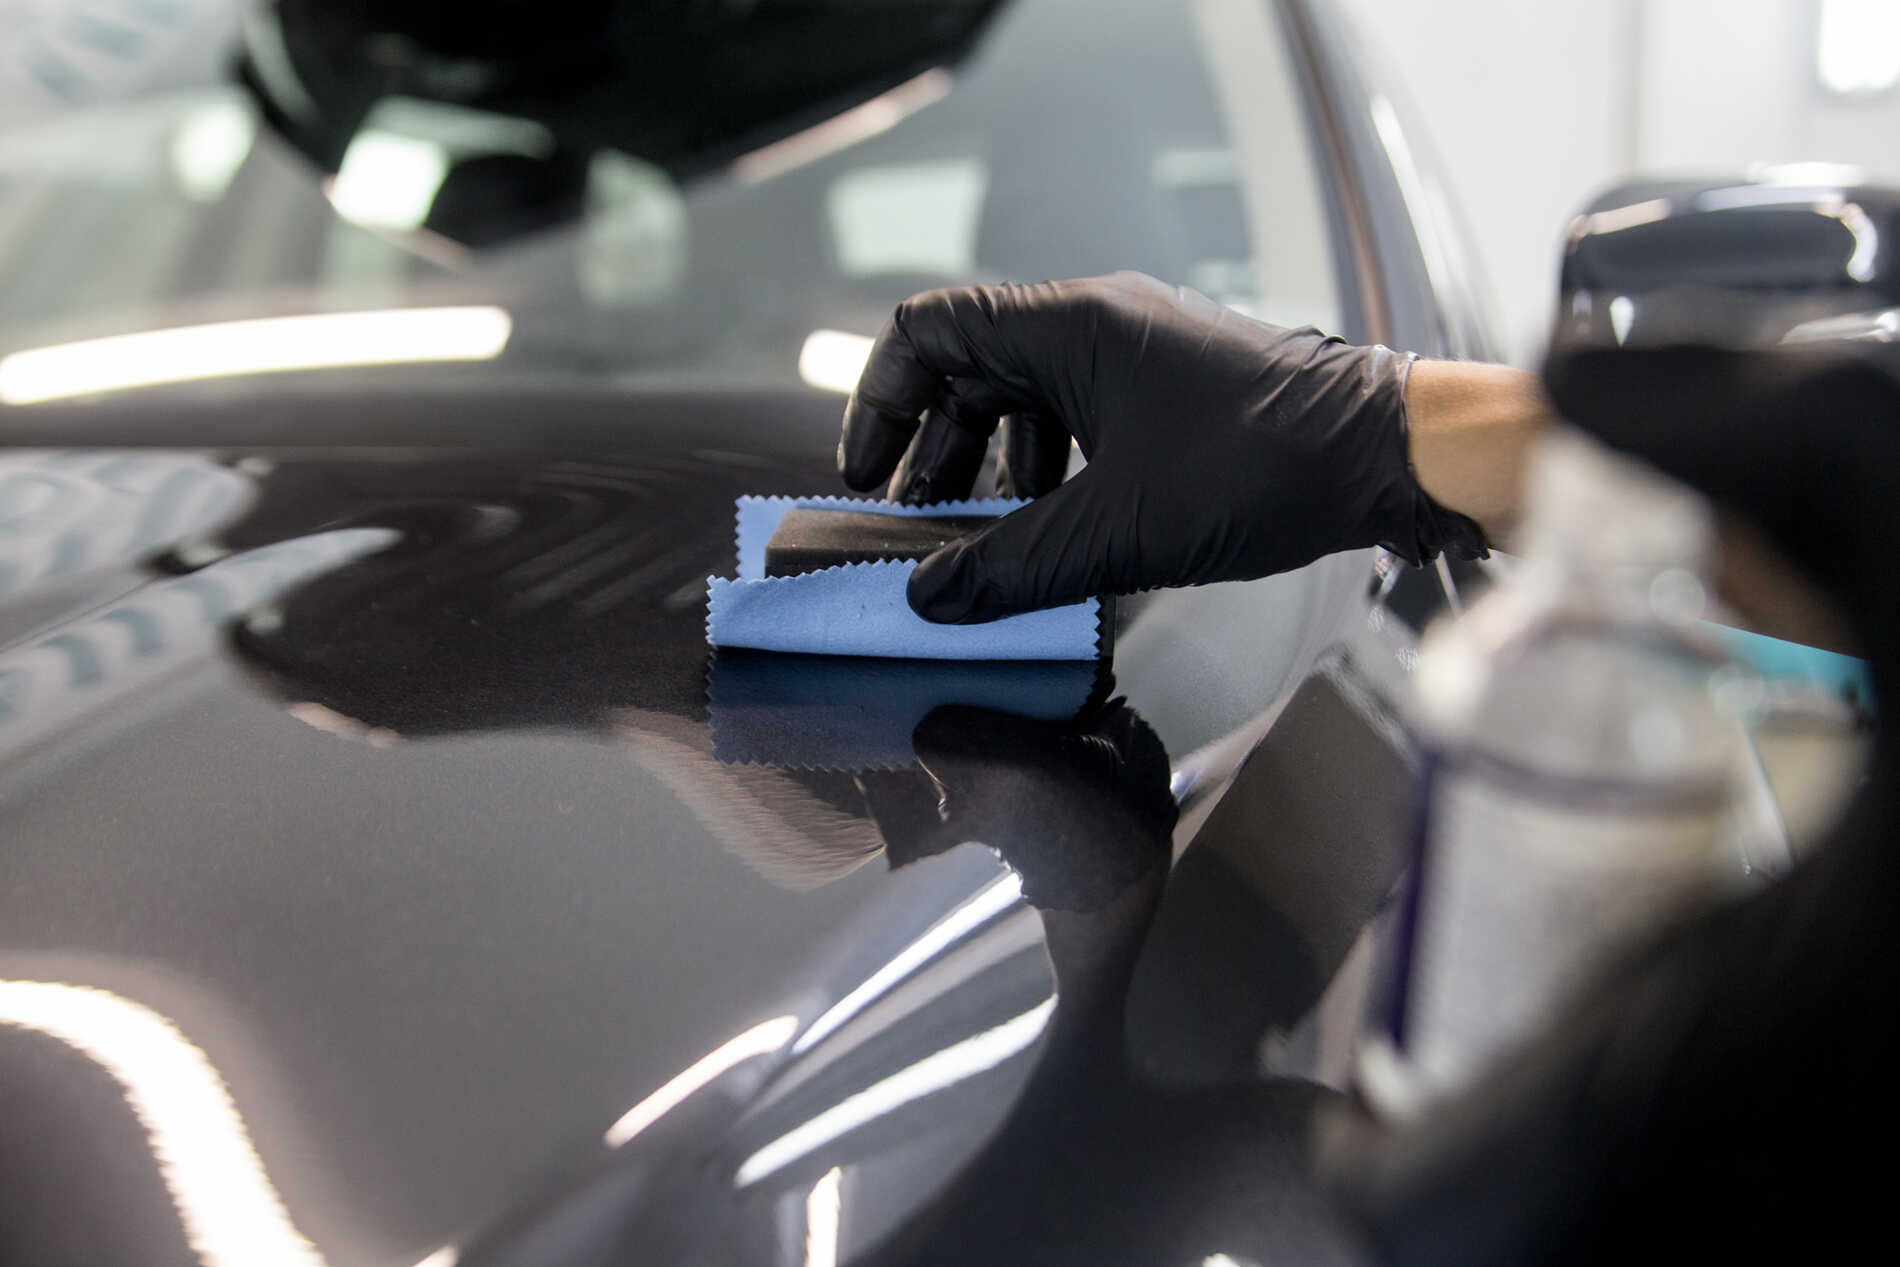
(953, 587)
(871, 446)
(938, 590)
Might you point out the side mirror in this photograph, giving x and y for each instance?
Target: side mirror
(1784, 254)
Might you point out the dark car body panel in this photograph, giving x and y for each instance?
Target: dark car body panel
(429, 854)
(357, 730)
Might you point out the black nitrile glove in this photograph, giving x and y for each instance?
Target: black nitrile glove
(1219, 448)
(1715, 1098)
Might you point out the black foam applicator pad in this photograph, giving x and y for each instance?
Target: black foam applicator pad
(811, 540)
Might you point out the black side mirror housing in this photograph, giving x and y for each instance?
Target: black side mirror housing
(1789, 253)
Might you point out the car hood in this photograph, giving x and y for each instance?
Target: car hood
(374, 885)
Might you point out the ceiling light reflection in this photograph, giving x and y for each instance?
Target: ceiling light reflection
(760, 1040)
(832, 360)
(991, 900)
(1817, 198)
(1867, 327)
(329, 721)
(388, 181)
(1859, 46)
(1617, 219)
(232, 1215)
(1836, 175)
(1822, 202)
(934, 1073)
(331, 340)
(822, 1210)
(1860, 265)
(989, 946)
(210, 145)
(879, 114)
(1622, 316)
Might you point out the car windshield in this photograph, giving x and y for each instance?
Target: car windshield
(1172, 140)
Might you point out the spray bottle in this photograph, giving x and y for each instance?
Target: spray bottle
(1581, 783)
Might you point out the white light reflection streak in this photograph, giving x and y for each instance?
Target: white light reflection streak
(268, 345)
(1860, 265)
(932, 1074)
(760, 1040)
(1852, 216)
(1816, 199)
(987, 902)
(1616, 219)
(841, 131)
(231, 1214)
(1412, 190)
(822, 1210)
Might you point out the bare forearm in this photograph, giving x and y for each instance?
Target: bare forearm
(1471, 432)
(1472, 428)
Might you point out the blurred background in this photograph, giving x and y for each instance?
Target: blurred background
(1536, 107)
(1532, 108)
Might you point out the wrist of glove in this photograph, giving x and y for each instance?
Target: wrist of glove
(1218, 447)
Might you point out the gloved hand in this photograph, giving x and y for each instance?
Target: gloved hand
(1711, 1101)
(1219, 448)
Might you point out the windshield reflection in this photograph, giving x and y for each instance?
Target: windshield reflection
(533, 595)
(519, 597)
(658, 232)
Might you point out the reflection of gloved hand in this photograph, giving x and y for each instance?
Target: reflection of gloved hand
(1220, 448)
(1080, 809)
(1708, 1101)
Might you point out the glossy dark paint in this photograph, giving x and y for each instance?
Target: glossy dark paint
(381, 765)
(430, 854)
(1741, 262)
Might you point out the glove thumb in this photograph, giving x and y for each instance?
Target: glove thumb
(1048, 554)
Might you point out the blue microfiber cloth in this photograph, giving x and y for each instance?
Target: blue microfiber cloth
(835, 713)
(858, 609)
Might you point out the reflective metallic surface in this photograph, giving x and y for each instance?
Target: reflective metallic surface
(1803, 251)
(383, 808)
(389, 873)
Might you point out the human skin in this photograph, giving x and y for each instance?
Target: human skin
(1472, 428)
